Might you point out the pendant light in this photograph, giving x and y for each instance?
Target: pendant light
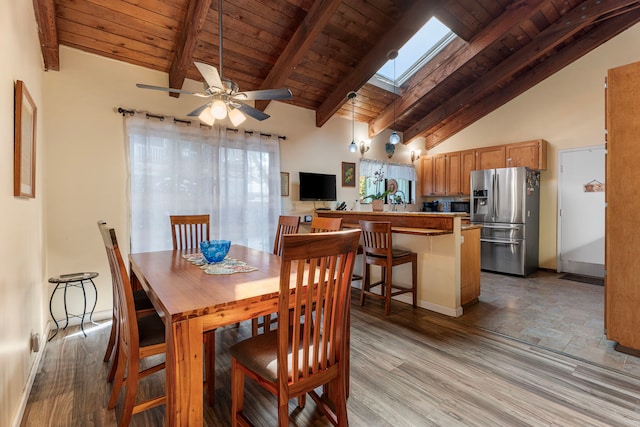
(394, 138)
(353, 147)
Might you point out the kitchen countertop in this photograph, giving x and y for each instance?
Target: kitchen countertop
(416, 223)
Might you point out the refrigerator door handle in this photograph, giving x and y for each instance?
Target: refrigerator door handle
(504, 242)
(501, 227)
(496, 189)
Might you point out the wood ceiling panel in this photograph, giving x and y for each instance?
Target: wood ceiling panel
(349, 43)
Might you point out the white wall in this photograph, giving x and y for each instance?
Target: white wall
(22, 246)
(566, 109)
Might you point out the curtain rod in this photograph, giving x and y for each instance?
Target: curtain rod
(161, 117)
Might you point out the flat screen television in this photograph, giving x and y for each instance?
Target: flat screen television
(317, 186)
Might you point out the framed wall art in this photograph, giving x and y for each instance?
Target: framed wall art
(24, 157)
(348, 174)
(284, 183)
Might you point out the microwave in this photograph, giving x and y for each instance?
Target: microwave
(460, 207)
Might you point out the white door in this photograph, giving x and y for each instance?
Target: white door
(581, 211)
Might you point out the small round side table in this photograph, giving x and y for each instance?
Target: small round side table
(78, 280)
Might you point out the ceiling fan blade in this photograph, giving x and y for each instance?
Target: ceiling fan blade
(252, 112)
(210, 74)
(197, 111)
(168, 89)
(265, 94)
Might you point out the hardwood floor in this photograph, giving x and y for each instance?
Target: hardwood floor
(413, 368)
(543, 309)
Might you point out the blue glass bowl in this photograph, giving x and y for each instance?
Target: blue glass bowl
(215, 250)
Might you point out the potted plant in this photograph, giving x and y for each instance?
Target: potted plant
(377, 199)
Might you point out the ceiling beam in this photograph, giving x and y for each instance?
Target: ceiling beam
(578, 18)
(45, 11)
(187, 42)
(306, 34)
(409, 23)
(601, 34)
(452, 58)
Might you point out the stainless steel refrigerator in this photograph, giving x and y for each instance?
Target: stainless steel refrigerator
(506, 202)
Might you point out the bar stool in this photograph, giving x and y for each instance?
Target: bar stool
(78, 280)
(378, 250)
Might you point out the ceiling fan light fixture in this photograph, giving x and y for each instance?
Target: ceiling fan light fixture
(219, 109)
(236, 116)
(206, 117)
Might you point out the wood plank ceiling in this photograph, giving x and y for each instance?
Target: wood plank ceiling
(324, 49)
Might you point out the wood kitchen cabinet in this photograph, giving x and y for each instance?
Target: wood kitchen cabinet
(440, 174)
(469, 266)
(452, 174)
(532, 154)
(426, 175)
(622, 234)
(490, 157)
(467, 164)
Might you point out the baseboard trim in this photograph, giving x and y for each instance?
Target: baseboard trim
(32, 376)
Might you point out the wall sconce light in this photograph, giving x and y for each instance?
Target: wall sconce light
(415, 155)
(364, 147)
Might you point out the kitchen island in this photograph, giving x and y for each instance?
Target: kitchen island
(448, 255)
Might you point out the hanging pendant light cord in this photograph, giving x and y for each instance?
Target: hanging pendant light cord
(353, 119)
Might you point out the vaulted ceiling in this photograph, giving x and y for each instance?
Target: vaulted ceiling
(324, 49)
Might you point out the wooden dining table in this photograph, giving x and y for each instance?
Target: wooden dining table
(192, 302)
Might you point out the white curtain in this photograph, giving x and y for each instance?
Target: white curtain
(391, 170)
(175, 169)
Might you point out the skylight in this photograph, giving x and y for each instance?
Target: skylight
(419, 50)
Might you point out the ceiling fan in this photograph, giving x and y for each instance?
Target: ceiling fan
(226, 99)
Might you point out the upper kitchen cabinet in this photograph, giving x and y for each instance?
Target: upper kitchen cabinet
(622, 234)
(532, 154)
(467, 164)
(426, 175)
(453, 174)
(490, 157)
(440, 174)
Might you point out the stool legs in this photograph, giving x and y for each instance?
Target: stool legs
(51, 311)
(78, 282)
(386, 285)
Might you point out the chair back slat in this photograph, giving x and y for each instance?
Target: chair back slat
(187, 231)
(315, 280)
(286, 225)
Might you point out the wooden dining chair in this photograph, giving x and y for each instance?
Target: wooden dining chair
(377, 246)
(315, 278)
(138, 338)
(187, 231)
(142, 304)
(321, 224)
(286, 225)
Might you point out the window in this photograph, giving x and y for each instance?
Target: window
(403, 174)
(419, 50)
(178, 170)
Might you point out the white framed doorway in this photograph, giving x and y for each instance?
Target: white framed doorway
(580, 211)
